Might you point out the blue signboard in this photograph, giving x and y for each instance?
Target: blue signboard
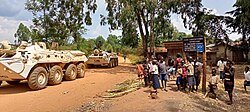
(194, 44)
(199, 47)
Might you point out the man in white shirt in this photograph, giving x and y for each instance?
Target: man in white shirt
(220, 66)
(247, 78)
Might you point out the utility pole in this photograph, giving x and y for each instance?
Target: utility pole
(204, 58)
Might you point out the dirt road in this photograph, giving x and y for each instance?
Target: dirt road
(82, 95)
(174, 101)
(66, 96)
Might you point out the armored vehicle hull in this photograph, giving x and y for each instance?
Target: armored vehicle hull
(40, 66)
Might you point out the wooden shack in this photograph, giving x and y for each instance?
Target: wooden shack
(160, 51)
(174, 47)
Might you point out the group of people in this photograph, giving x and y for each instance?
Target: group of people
(226, 73)
(188, 74)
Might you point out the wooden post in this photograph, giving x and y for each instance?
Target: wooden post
(204, 58)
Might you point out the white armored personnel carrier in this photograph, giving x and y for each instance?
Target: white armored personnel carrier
(40, 66)
(102, 58)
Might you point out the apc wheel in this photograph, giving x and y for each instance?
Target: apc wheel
(13, 82)
(71, 72)
(113, 63)
(117, 63)
(81, 70)
(38, 78)
(110, 64)
(55, 75)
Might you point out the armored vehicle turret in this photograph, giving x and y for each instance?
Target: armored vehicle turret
(102, 58)
(5, 49)
(40, 66)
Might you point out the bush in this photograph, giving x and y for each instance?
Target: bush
(135, 59)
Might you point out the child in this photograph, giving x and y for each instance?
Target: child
(146, 73)
(213, 81)
(124, 57)
(197, 77)
(163, 73)
(190, 75)
(155, 72)
(247, 78)
(184, 78)
(140, 71)
(150, 76)
(179, 74)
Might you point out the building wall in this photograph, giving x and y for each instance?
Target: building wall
(174, 52)
(221, 52)
(211, 58)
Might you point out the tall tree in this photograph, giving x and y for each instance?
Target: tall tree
(201, 21)
(114, 41)
(240, 22)
(61, 19)
(132, 14)
(100, 42)
(23, 33)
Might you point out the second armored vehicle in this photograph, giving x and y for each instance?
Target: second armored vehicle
(102, 58)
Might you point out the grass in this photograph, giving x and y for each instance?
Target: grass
(123, 88)
(135, 59)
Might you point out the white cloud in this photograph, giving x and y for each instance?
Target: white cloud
(178, 23)
(8, 28)
(116, 32)
(214, 11)
(96, 31)
(10, 8)
(12, 13)
(234, 36)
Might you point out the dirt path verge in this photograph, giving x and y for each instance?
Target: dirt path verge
(66, 96)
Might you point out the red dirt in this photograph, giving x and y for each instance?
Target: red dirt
(63, 97)
(82, 95)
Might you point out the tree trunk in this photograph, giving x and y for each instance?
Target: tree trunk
(144, 38)
(152, 32)
(145, 24)
(245, 45)
(225, 55)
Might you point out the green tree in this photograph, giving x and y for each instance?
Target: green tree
(109, 48)
(60, 19)
(36, 35)
(87, 45)
(114, 41)
(100, 42)
(240, 22)
(201, 21)
(23, 33)
(132, 14)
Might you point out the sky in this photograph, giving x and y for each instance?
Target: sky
(12, 13)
